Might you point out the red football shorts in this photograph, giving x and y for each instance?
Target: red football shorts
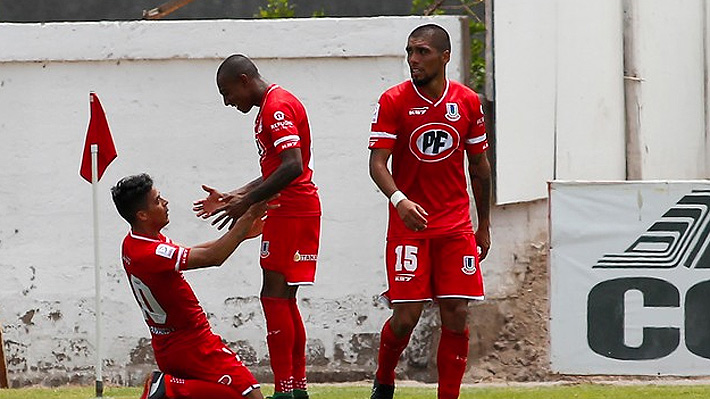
(289, 245)
(207, 359)
(431, 268)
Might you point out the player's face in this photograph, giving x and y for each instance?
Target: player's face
(425, 61)
(235, 94)
(157, 209)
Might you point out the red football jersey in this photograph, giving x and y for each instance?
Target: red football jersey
(428, 140)
(169, 305)
(282, 123)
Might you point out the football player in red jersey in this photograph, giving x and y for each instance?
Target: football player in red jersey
(428, 125)
(194, 362)
(289, 244)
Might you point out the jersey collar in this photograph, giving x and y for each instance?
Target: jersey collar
(144, 238)
(435, 104)
(263, 99)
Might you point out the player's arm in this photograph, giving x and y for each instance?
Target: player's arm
(412, 214)
(290, 168)
(480, 172)
(243, 190)
(214, 253)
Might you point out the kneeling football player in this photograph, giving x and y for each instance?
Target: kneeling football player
(193, 361)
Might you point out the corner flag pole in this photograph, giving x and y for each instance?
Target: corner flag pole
(97, 269)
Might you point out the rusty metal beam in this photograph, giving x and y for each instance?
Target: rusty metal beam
(165, 9)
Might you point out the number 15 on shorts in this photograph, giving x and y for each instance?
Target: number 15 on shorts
(406, 258)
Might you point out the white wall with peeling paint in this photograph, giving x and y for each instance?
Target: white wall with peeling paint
(156, 83)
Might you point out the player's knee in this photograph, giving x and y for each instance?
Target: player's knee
(403, 323)
(454, 314)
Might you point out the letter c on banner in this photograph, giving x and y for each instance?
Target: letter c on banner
(605, 318)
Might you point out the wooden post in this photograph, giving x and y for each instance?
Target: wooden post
(3, 364)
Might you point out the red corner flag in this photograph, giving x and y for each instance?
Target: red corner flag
(100, 135)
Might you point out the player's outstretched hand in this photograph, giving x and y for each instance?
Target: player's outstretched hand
(207, 206)
(233, 207)
(412, 214)
(258, 212)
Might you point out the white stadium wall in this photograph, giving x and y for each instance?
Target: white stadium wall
(598, 90)
(559, 94)
(156, 81)
(667, 62)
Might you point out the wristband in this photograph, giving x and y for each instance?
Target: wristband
(397, 197)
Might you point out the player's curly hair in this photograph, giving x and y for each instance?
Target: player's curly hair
(130, 195)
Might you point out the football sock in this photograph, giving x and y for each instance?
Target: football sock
(299, 348)
(391, 348)
(280, 340)
(178, 388)
(451, 362)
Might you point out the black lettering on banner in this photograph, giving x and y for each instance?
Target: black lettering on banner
(605, 318)
(679, 237)
(697, 322)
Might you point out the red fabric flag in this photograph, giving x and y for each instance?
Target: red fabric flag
(99, 134)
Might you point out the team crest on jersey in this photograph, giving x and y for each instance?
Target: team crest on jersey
(469, 265)
(279, 116)
(452, 112)
(433, 142)
(265, 249)
(164, 250)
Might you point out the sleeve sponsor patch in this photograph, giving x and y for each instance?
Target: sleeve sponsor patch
(166, 251)
(376, 113)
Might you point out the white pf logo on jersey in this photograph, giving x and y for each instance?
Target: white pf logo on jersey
(279, 116)
(434, 142)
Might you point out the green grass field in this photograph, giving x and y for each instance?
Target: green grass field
(581, 391)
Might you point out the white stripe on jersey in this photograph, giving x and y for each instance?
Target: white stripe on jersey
(382, 135)
(292, 137)
(476, 140)
(179, 257)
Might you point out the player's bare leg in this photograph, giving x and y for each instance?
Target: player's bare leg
(277, 299)
(393, 339)
(453, 346)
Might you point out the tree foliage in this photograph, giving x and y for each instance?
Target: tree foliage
(283, 9)
(277, 9)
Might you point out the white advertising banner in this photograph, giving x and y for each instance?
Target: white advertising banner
(630, 278)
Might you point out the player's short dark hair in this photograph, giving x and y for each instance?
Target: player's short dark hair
(130, 195)
(440, 39)
(237, 64)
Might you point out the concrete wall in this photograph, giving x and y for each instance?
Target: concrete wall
(598, 90)
(666, 95)
(559, 94)
(156, 83)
